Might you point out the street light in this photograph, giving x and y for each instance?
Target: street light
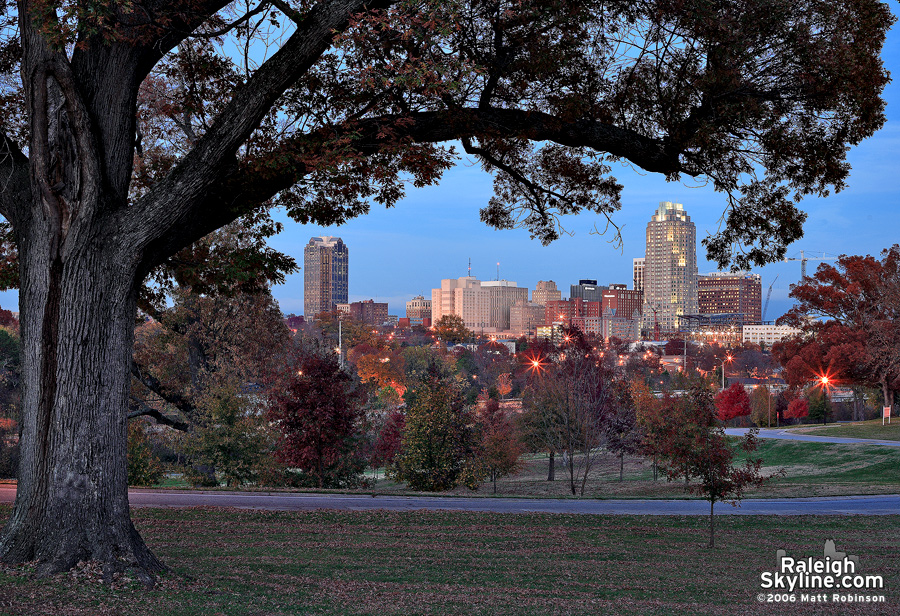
(727, 358)
(825, 382)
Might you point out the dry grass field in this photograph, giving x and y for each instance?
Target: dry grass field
(229, 562)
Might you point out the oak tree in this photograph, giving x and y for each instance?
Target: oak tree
(131, 130)
(451, 328)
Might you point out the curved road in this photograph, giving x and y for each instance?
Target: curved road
(847, 505)
(792, 436)
(843, 505)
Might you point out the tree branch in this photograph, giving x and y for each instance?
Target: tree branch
(153, 384)
(172, 203)
(15, 184)
(247, 188)
(140, 409)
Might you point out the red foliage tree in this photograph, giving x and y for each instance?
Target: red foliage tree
(797, 408)
(500, 446)
(849, 314)
(696, 447)
(317, 407)
(733, 402)
(387, 444)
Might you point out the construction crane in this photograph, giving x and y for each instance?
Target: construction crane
(768, 297)
(803, 259)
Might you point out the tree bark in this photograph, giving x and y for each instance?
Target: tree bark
(77, 316)
(79, 274)
(551, 471)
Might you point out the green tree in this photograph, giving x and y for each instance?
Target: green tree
(229, 438)
(762, 407)
(818, 404)
(144, 468)
(451, 328)
(438, 443)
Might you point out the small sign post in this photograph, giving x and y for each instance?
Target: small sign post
(886, 415)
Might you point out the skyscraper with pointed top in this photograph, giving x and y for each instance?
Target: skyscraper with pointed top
(670, 267)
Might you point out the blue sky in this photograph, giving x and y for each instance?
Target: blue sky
(406, 251)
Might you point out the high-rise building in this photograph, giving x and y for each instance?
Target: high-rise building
(738, 293)
(369, 312)
(525, 318)
(544, 292)
(326, 263)
(483, 306)
(502, 295)
(463, 297)
(670, 267)
(588, 290)
(418, 309)
(568, 310)
(622, 302)
(638, 265)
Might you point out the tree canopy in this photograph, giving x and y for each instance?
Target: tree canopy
(849, 314)
(325, 107)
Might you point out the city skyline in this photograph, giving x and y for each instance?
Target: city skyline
(431, 234)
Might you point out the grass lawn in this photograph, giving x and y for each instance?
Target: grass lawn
(812, 469)
(229, 562)
(858, 429)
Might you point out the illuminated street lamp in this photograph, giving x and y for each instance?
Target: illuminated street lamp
(727, 358)
(825, 382)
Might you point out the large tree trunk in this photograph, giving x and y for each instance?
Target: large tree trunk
(77, 315)
(79, 271)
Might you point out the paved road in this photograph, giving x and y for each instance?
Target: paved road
(791, 436)
(848, 505)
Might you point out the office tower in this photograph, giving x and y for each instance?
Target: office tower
(670, 267)
(326, 263)
(526, 317)
(369, 312)
(502, 294)
(738, 293)
(418, 308)
(544, 292)
(483, 306)
(638, 265)
(622, 302)
(588, 290)
(463, 297)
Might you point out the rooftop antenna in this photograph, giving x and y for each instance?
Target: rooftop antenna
(498, 271)
(470, 267)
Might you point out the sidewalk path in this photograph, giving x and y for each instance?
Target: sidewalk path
(791, 436)
(846, 505)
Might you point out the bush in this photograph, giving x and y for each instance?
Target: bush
(144, 468)
(9, 456)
